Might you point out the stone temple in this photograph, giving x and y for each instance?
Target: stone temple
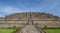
(30, 28)
(31, 18)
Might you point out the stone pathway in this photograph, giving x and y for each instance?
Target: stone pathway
(30, 29)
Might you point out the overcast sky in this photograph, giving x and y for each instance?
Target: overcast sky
(12, 6)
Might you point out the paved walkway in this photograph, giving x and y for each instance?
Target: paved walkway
(30, 29)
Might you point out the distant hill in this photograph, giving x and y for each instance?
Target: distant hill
(33, 15)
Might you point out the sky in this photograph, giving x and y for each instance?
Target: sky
(15, 6)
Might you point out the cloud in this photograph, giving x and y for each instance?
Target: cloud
(1, 16)
(50, 6)
(10, 10)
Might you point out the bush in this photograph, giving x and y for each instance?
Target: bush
(45, 26)
(36, 23)
(14, 26)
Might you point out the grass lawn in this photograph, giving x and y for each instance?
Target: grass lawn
(7, 30)
(52, 30)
